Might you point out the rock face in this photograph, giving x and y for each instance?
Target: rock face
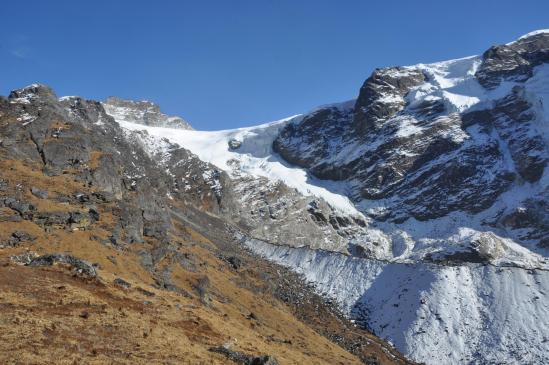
(142, 112)
(76, 135)
(429, 140)
(382, 96)
(514, 61)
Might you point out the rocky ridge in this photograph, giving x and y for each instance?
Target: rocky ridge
(143, 112)
(97, 237)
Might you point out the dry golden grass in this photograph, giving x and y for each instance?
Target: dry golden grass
(41, 317)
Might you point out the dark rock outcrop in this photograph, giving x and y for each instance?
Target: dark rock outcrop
(76, 265)
(121, 283)
(17, 238)
(381, 97)
(514, 61)
(243, 359)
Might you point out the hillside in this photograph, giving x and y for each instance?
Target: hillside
(100, 265)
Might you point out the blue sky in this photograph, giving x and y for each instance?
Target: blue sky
(226, 64)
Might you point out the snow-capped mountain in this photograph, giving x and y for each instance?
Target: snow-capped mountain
(422, 206)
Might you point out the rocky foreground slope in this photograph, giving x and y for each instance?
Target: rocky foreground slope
(420, 208)
(106, 257)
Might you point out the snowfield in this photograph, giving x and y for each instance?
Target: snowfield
(478, 314)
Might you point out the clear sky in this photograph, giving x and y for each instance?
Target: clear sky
(225, 64)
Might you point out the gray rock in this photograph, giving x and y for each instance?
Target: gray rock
(52, 219)
(203, 289)
(42, 194)
(34, 92)
(17, 238)
(122, 283)
(513, 62)
(243, 359)
(142, 112)
(93, 214)
(82, 197)
(163, 280)
(372, 108)
(22, 236)
(78, 266)
(76, 136)
(145, 292)
(234, 144)
(24, 258)
(26, 210)
(235, 262)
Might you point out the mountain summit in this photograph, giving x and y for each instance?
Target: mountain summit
(142, 112)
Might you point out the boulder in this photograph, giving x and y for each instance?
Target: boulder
(121, 283)
(42, 194)
(244, 359)
(78, 266)
(234, 144)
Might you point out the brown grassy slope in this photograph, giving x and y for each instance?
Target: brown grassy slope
(48, 315)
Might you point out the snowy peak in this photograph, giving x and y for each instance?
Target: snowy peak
(514, 61)
(533, 33)
(142, 112)
(426, 158)
(32, 92)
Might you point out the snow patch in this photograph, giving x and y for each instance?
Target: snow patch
(454, 84)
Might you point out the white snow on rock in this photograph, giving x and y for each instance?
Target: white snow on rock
(142, 112)
(530, 34)
(451, 81)
(454, 84)
(255, 157)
